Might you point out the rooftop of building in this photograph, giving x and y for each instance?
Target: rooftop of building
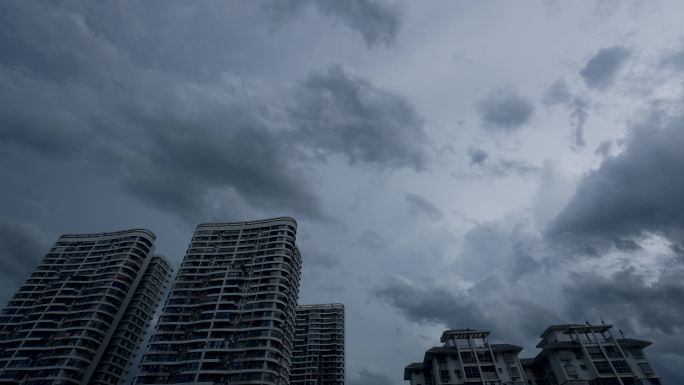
(321, 306)
(463, 334)
(249, 223)
(108, 234)
(576, 328)
(410, 367)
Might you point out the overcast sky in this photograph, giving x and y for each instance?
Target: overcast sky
(487, 164)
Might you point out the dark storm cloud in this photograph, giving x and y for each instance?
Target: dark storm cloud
(377, 21)
(629, 299)
(638, 191)
(338, 112)
(434, 304)
(418, 205)
(369, 377)
(505, 110)
(182, 166)
(578, 105)
(601, 70)
(674, 60)
(170, 142)
(21, 248)
(477, 156)
(510, 250)
(517, 319)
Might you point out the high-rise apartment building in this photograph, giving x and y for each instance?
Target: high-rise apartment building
(467, 357)
(80, 317)
(577, 354)
(319, 345)
(230, 317)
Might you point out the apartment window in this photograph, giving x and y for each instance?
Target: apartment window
(612, 352)
(444, 377)
(646, 368)
(571, 370)
(471, 372)
(594, 352)
(583, 367)
(602, 367)
(468, 357)
(621, 366)
(457, 372)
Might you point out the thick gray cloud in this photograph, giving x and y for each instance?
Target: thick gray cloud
(642, 307)
(517, 319)
(418, 205)
(634, 192)
(505, 110)
(578, 105)
(477, 155)
(338, 112)
(601, 70)
(377, 21)
(195, 142)
(629, 299)
(674, 60)
(370, 377)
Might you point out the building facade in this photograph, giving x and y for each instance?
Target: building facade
(319, 345)
(577, 354)
(467, 357)
(230, 317)
(81, 315)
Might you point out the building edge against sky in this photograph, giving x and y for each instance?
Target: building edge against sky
(230, 316)
(571, 354)
(81, 315)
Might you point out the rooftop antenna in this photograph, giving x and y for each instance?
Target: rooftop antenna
(621, 333)
(602, 322)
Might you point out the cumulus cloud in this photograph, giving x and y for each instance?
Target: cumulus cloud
(339, 112)
(377, 21)
(635, 192)
(602, 68)
(505, 110)
(418, 205)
